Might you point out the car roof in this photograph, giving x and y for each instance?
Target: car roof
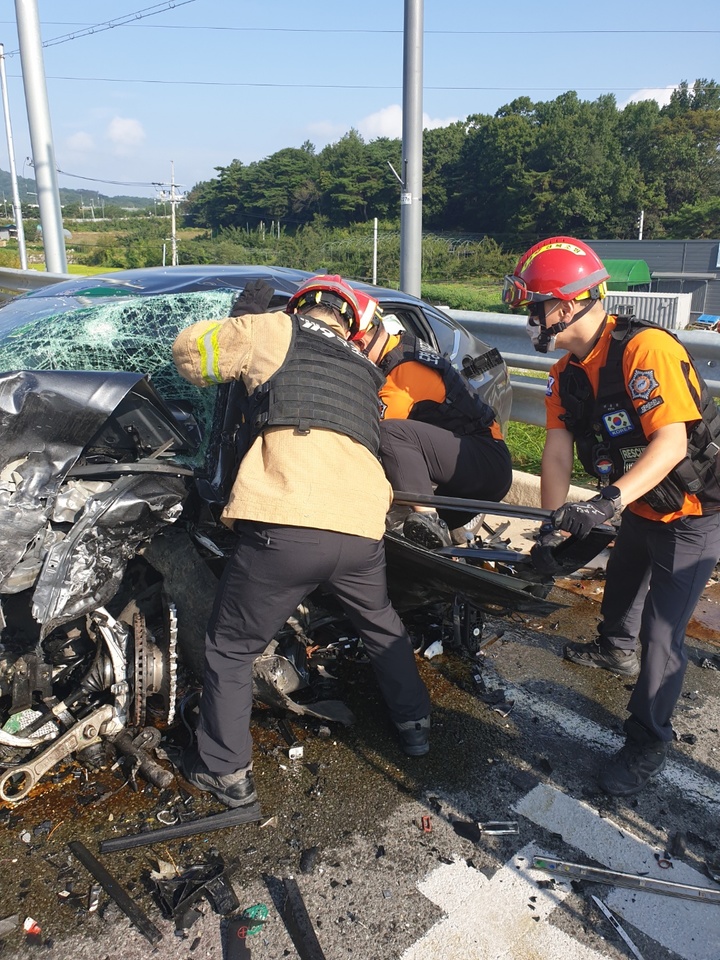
(148, 281)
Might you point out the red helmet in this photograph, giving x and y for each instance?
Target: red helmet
(560, 268)
(357, 309)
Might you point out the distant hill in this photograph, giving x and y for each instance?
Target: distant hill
(28, 190)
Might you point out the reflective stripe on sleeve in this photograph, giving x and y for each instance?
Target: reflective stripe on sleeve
(209, 355)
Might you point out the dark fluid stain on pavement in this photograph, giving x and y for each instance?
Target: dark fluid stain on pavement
(704, 623)
(348, 781)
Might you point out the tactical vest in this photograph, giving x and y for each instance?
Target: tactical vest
(463, 411)
(323, 383)
(608, 432)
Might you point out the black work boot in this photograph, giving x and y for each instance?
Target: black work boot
(427, 530)
(641, 758)
(414, 736)
(622, 662)
(233, 789)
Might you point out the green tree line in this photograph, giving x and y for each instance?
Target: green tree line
(562, 166)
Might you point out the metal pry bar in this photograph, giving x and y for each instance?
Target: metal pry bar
(604, 909)
(631, 880)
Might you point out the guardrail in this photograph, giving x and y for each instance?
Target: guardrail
(15, 282)
(501, 330)
(507, 333)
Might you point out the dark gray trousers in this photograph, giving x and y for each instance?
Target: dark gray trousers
(655, 576)
(416, 456)
(272, 570)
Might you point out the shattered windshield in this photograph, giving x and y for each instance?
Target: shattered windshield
(133, 334)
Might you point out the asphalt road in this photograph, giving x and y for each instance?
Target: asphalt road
(384, 850)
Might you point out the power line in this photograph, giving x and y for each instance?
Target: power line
(118, 22)
(117, 183)
(131, 18)
(334, 86)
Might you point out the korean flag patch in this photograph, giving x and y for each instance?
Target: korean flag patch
(617, 423)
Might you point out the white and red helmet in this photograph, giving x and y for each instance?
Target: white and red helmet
(356, 309)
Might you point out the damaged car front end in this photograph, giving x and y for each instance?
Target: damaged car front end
(85, 481)
(111, 547)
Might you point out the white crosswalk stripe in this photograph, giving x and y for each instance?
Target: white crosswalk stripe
(690, 929)
(504, 918)
(509, 917)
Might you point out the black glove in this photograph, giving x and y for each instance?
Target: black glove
(255, 298)
(541, 554)
(580, 518)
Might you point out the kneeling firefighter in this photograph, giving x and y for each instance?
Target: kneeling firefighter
(436, 434)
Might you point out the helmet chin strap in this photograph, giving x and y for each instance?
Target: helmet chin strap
(544, 340)
(373, 340)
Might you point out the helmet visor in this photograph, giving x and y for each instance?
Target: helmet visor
(516, 294)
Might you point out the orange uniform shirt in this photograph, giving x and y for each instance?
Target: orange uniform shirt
(652, 371)
(408, 384)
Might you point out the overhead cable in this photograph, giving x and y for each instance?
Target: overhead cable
(118, 22)
(333, 86)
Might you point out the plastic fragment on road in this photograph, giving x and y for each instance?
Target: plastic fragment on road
(31, 927)
(8, 924)
(434, 650)
(111, 886)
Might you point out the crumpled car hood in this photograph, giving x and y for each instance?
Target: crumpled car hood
(73, 537)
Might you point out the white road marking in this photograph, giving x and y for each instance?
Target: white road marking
(496, 919)
(696, 787)
(689, 928)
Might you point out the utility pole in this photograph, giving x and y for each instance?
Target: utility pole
(640, 223)
(375, 246)
(17, 210)
(174, 199)
(411, 180)
(38, 111)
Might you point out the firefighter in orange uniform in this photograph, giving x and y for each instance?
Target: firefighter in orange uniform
(435, 432)
(628, 398)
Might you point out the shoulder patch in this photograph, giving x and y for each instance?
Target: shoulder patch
(642, 383)
(549, 386)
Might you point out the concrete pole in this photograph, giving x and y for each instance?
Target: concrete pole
(17, 209)
(173, 231)
(411, 196)
(375, 245)
(38, 111)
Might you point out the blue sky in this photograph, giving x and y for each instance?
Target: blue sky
(208, 81)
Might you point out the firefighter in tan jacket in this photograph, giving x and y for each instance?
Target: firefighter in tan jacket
(308, 504)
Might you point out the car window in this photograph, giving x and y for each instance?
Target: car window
(133, 334)
(409, 318)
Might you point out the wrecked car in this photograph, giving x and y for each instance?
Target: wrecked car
(113, 472)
